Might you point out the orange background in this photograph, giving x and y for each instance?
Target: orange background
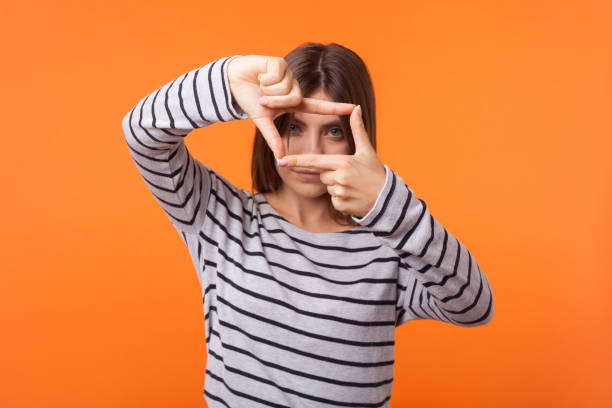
(497, 114)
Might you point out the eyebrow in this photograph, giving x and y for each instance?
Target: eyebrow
(333, 123)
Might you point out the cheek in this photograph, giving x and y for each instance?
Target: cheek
(347, 148)
(290, 146)
(294, 147)
(340, 148)
(283, 172)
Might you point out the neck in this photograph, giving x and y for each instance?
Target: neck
(303, 211)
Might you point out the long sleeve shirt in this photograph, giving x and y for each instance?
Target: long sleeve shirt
(295, 318)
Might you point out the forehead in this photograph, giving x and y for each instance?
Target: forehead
(320, 94)
(316, 118)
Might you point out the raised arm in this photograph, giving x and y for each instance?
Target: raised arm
(155, 130)
(437, 278)
(225, 89)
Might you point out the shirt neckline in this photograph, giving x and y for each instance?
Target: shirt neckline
(297, 231)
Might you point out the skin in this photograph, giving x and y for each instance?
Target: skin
(354, 181)
(255, 77)
(301, 201)
(264, 88)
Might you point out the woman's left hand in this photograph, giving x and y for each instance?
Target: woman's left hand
(353, 181)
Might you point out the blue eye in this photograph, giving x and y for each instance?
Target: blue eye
(339, 131)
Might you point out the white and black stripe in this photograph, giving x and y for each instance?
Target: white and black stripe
(295, 318)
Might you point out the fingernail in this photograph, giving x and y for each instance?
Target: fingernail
(263, 100)
(359, 110)
(283, 161)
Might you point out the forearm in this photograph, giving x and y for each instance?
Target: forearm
(454, 289)
(155, 130)
(196, 99)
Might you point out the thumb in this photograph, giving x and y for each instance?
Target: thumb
(360, 136)
(270, 133)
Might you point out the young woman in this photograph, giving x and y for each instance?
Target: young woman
(305, 281)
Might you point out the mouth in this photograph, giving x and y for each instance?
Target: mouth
(306, 172)
(307, 175)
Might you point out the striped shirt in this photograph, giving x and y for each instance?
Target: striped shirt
(295, 318)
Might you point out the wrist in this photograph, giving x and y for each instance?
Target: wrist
(231, 74)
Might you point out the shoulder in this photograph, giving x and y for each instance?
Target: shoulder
(225, 194)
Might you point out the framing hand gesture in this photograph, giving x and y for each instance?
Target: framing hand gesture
(265, 88)
(353, 181)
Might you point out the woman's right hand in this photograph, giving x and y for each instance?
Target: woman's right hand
(252, 77)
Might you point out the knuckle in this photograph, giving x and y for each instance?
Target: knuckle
(287, 87)
(344, 165)
(281, 62)
(296, 90)
(295, 99)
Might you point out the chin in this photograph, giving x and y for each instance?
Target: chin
(310, 190)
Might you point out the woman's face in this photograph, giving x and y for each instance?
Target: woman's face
(316, 134)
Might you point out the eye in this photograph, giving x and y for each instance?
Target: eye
(293, 127)
(338, 133)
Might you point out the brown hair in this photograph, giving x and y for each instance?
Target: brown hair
(342, 75)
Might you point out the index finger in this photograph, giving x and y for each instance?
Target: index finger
(316, 161)
(321, 106)
(270, 134)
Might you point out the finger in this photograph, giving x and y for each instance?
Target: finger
(315, 161)
(286, 102)
(336, 191)
(321, 106)
(275, 71)
(330, 177)
(339, 204)
(294, 98)
(360, 136)
(280, 88)
(270, 133)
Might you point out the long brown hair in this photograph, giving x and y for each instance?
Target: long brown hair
(342, 75)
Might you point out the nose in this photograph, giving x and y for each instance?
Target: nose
(313, 144)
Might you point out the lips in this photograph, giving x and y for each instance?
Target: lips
(306, 172)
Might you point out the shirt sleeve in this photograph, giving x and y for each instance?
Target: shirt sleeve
(155, 130)
(437, 276)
